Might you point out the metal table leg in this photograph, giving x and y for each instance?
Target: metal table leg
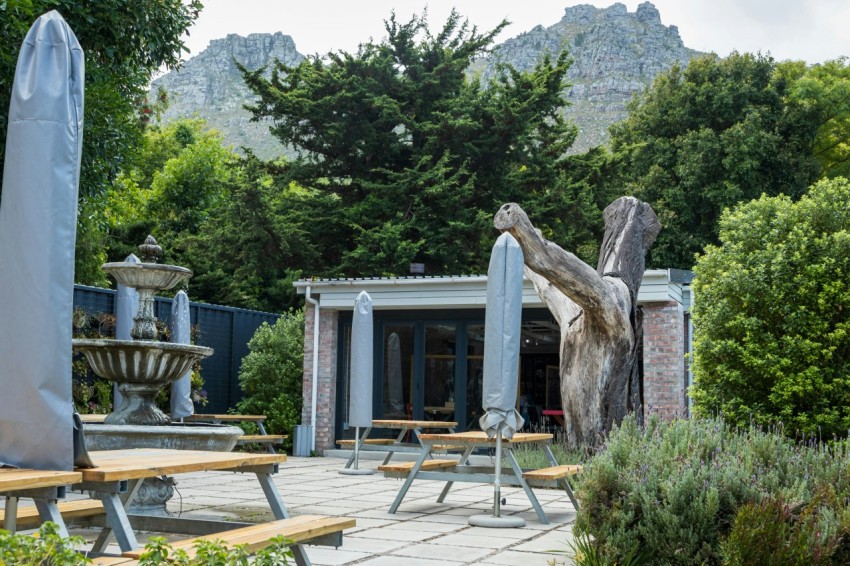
(10, 522)
(449, 484)
(117, 517)
(564, 481)
(409, 481)
(359, 445)
(509, 453)
(263, 431)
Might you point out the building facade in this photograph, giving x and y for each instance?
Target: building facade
(429, 345)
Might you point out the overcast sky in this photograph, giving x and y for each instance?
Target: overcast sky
(810, 30)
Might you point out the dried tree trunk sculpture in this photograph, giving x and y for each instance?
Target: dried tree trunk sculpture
(597, 312)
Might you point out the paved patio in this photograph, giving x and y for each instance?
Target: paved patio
(422, 532)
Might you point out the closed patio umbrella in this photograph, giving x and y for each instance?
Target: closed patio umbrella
(126, 307)
(181, 333)
(38, 230)
(360, 393)
(502, 327)
(396, 393)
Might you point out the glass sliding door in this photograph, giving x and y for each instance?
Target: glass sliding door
(397, 390)
(474, 374)
(439, 371)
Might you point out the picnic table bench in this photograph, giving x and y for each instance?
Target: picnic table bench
(389, 445)
(263, 438)
(120, 473)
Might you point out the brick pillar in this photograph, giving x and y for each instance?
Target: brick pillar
(326, 396)
(664, 359)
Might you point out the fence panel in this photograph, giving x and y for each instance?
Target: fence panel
(225, 329)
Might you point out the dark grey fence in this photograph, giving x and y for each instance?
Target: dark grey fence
(225, 329)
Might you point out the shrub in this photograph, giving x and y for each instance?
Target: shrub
(772, 314)
(47, 549)
(781, 534)
(673, 490)
(51, 549)
(272, 372)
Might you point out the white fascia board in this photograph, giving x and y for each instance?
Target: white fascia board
(455, 292)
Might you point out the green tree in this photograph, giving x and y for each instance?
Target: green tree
(271, 373)
(704, 138)
(772, 313)
(825, 88)
(125, 42)
(419, 156)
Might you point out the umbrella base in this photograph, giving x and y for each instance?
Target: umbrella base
(353, 472)
(492, 522)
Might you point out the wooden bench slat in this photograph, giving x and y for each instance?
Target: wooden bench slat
(28, 515)
(379, 441)
(113, 561)
(426, 465)
(273, 438)
(553, 473)
(257, 537)
(225, 417)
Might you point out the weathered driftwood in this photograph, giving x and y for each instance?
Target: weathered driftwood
(597, 312)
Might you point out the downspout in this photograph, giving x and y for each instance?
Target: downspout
(315, 379)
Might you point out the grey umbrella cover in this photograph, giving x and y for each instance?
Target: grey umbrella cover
(360, 395)
(396, 393)
(502, 326)
(181, 333)
(38, 221)
(126, 307)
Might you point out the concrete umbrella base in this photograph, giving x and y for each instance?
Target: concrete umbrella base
(356, 472)
(492, 522)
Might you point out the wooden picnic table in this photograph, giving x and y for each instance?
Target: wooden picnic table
(119, 474)
(44, 487)
(391, 446)
(450, 470)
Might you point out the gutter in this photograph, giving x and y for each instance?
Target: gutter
(315, 379)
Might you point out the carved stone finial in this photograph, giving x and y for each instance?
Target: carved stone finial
(149, 251)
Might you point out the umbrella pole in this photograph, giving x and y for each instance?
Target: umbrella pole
(497, 484)
(356, 447)
(354, 469)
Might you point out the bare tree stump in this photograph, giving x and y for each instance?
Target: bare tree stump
(597, 312)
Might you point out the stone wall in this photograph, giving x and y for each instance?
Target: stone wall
(326, 396)
(664, 359)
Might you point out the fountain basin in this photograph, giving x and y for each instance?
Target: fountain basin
(177, 436)
(147, 275)
(134, 361)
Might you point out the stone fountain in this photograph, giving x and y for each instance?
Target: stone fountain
(141, 367)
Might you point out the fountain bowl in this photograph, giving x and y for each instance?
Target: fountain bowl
(147, 275)
(136, 361)
(176, 436)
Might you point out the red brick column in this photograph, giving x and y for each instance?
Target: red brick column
(664, 359)
(326, 397)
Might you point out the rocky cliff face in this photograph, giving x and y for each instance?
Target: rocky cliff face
(210, 86)
(616, 54)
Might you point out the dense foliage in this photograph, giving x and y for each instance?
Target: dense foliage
(772, 313)
(49, 548)
(706, 137)
(672, 494)
(271, 374)
(417, 156)
(125, 42)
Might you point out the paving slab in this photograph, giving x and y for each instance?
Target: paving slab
(422, 533)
